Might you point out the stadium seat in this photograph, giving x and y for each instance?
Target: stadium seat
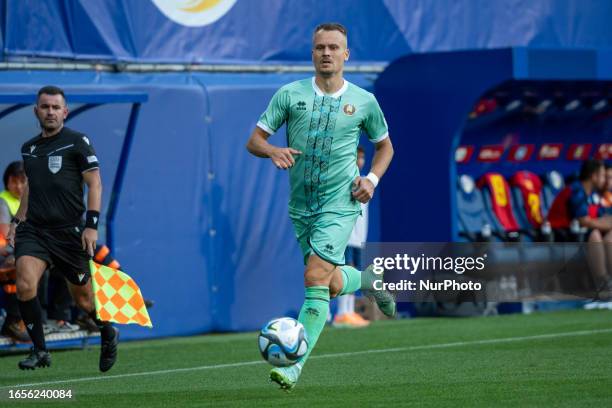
(552, 185)
(527, 195)
(498, 204)
(474, 224)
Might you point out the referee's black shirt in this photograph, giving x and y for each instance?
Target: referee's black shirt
(54, 166)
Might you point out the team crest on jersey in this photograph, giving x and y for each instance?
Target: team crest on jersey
(349, 109)
(55, 163)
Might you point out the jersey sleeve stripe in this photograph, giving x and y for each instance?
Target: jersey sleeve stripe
(265, 128)
(90, 169)
(380, 138)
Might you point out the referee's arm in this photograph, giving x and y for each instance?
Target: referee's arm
(94, 200)
(23, 204)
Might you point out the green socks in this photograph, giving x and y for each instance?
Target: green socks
(351, 280)
(313, 315)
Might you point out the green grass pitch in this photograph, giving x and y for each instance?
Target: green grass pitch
(561, 359)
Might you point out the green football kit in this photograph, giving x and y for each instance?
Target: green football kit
(326, 129)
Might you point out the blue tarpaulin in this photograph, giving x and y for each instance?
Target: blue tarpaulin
(246, 31)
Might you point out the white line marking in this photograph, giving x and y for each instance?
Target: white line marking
(332, 355)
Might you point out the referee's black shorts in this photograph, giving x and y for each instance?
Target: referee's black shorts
(61, 249)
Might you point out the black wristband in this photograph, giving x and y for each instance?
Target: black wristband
(16, 221)
(91, 219)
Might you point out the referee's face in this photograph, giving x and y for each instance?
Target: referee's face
(329, 52)
(51, 112)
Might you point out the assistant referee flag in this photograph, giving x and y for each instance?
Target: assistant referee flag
(118, 298)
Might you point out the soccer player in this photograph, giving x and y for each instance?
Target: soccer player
(325, 116)
(47, 229)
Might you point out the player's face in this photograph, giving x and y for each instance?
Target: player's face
(16, 185)
(329, 52)
(51, 112)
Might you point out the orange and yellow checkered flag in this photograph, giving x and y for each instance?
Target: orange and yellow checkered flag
(118, 298)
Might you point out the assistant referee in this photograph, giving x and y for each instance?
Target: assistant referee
(48, 231)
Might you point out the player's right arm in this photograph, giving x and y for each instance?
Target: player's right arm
(20, 215)
(258, 145)
(270, 121)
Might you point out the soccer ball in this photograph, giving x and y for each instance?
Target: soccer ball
(282, 341)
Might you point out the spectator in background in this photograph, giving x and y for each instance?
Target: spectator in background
(14, 179)
(346, 316)
(584, 202)
(606, 193)
(580, 201)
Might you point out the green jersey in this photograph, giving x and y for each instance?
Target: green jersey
(326, 129)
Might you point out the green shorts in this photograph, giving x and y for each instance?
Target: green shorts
(326, 234)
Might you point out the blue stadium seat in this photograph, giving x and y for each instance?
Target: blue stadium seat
(474, 224)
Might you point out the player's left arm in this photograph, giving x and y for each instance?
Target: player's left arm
(94, 201)
(375, 126)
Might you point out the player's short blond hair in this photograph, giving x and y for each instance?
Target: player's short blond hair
(330, 27)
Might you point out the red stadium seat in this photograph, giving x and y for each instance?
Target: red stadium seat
(499, 202)
(529, 206)
(530, 188)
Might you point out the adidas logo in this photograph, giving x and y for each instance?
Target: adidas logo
(30, 326)
(95, 220)
(81, 276)
(301, 105)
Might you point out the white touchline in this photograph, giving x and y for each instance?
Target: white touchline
(332, 355)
